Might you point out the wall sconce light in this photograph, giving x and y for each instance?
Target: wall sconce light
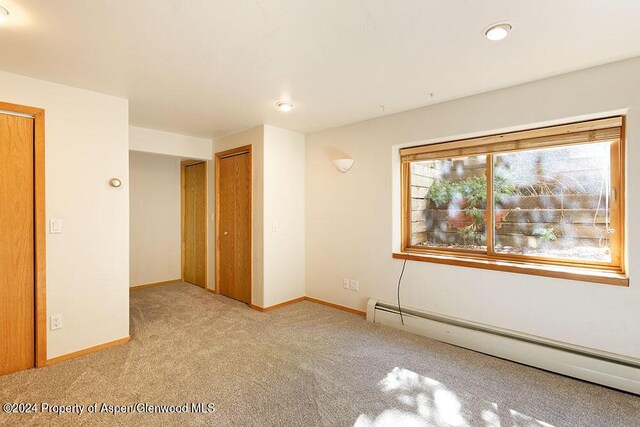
(115, 183)
(4, 14)
(343, 165)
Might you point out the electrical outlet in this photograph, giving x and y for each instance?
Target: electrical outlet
(56, 322)
(345, 283)
(354, 285)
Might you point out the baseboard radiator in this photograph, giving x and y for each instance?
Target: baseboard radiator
(608, 369)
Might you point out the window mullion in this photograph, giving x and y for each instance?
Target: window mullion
(489, 209)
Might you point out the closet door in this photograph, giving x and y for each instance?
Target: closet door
(234, 226)
(16, 244)
(194, 269)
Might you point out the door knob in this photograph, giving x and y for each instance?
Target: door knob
(226, 232)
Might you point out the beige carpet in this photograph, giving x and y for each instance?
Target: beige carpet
(302, 365)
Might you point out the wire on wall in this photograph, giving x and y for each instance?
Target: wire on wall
(399, 282)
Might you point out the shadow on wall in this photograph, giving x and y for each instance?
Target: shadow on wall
(335, 153)
(423, 401)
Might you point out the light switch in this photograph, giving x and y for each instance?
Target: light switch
(55, 226)
(274, 226)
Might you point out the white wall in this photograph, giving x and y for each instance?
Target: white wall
(155, 228)
(284, 272)
(254, 137)
(352, 219)
(153, 234)
(154, 141)
(278, 196)
(86, 144)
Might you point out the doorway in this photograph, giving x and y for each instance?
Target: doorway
(194, 222)
(22, 242)
(234, 223)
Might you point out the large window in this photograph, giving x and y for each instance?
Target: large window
(549, 196)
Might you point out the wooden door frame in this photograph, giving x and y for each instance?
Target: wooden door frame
(246, 149)
(183, 165)
(40, 237)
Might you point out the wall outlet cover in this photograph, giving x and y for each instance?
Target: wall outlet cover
(56, 321)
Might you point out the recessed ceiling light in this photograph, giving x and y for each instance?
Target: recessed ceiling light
(284, 106)
(4, 14)
(498, 31)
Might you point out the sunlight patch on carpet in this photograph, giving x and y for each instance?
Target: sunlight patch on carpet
(423, 401)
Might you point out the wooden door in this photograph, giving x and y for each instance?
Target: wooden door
(16, 244)
(194, 268)
(233, 203)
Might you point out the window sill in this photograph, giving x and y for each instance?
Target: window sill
(558, 272)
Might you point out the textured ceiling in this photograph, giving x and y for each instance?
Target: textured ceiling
(208, 68)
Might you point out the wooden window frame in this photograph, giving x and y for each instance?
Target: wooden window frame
(593, 131)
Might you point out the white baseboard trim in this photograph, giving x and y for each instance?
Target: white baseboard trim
(608, 369)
